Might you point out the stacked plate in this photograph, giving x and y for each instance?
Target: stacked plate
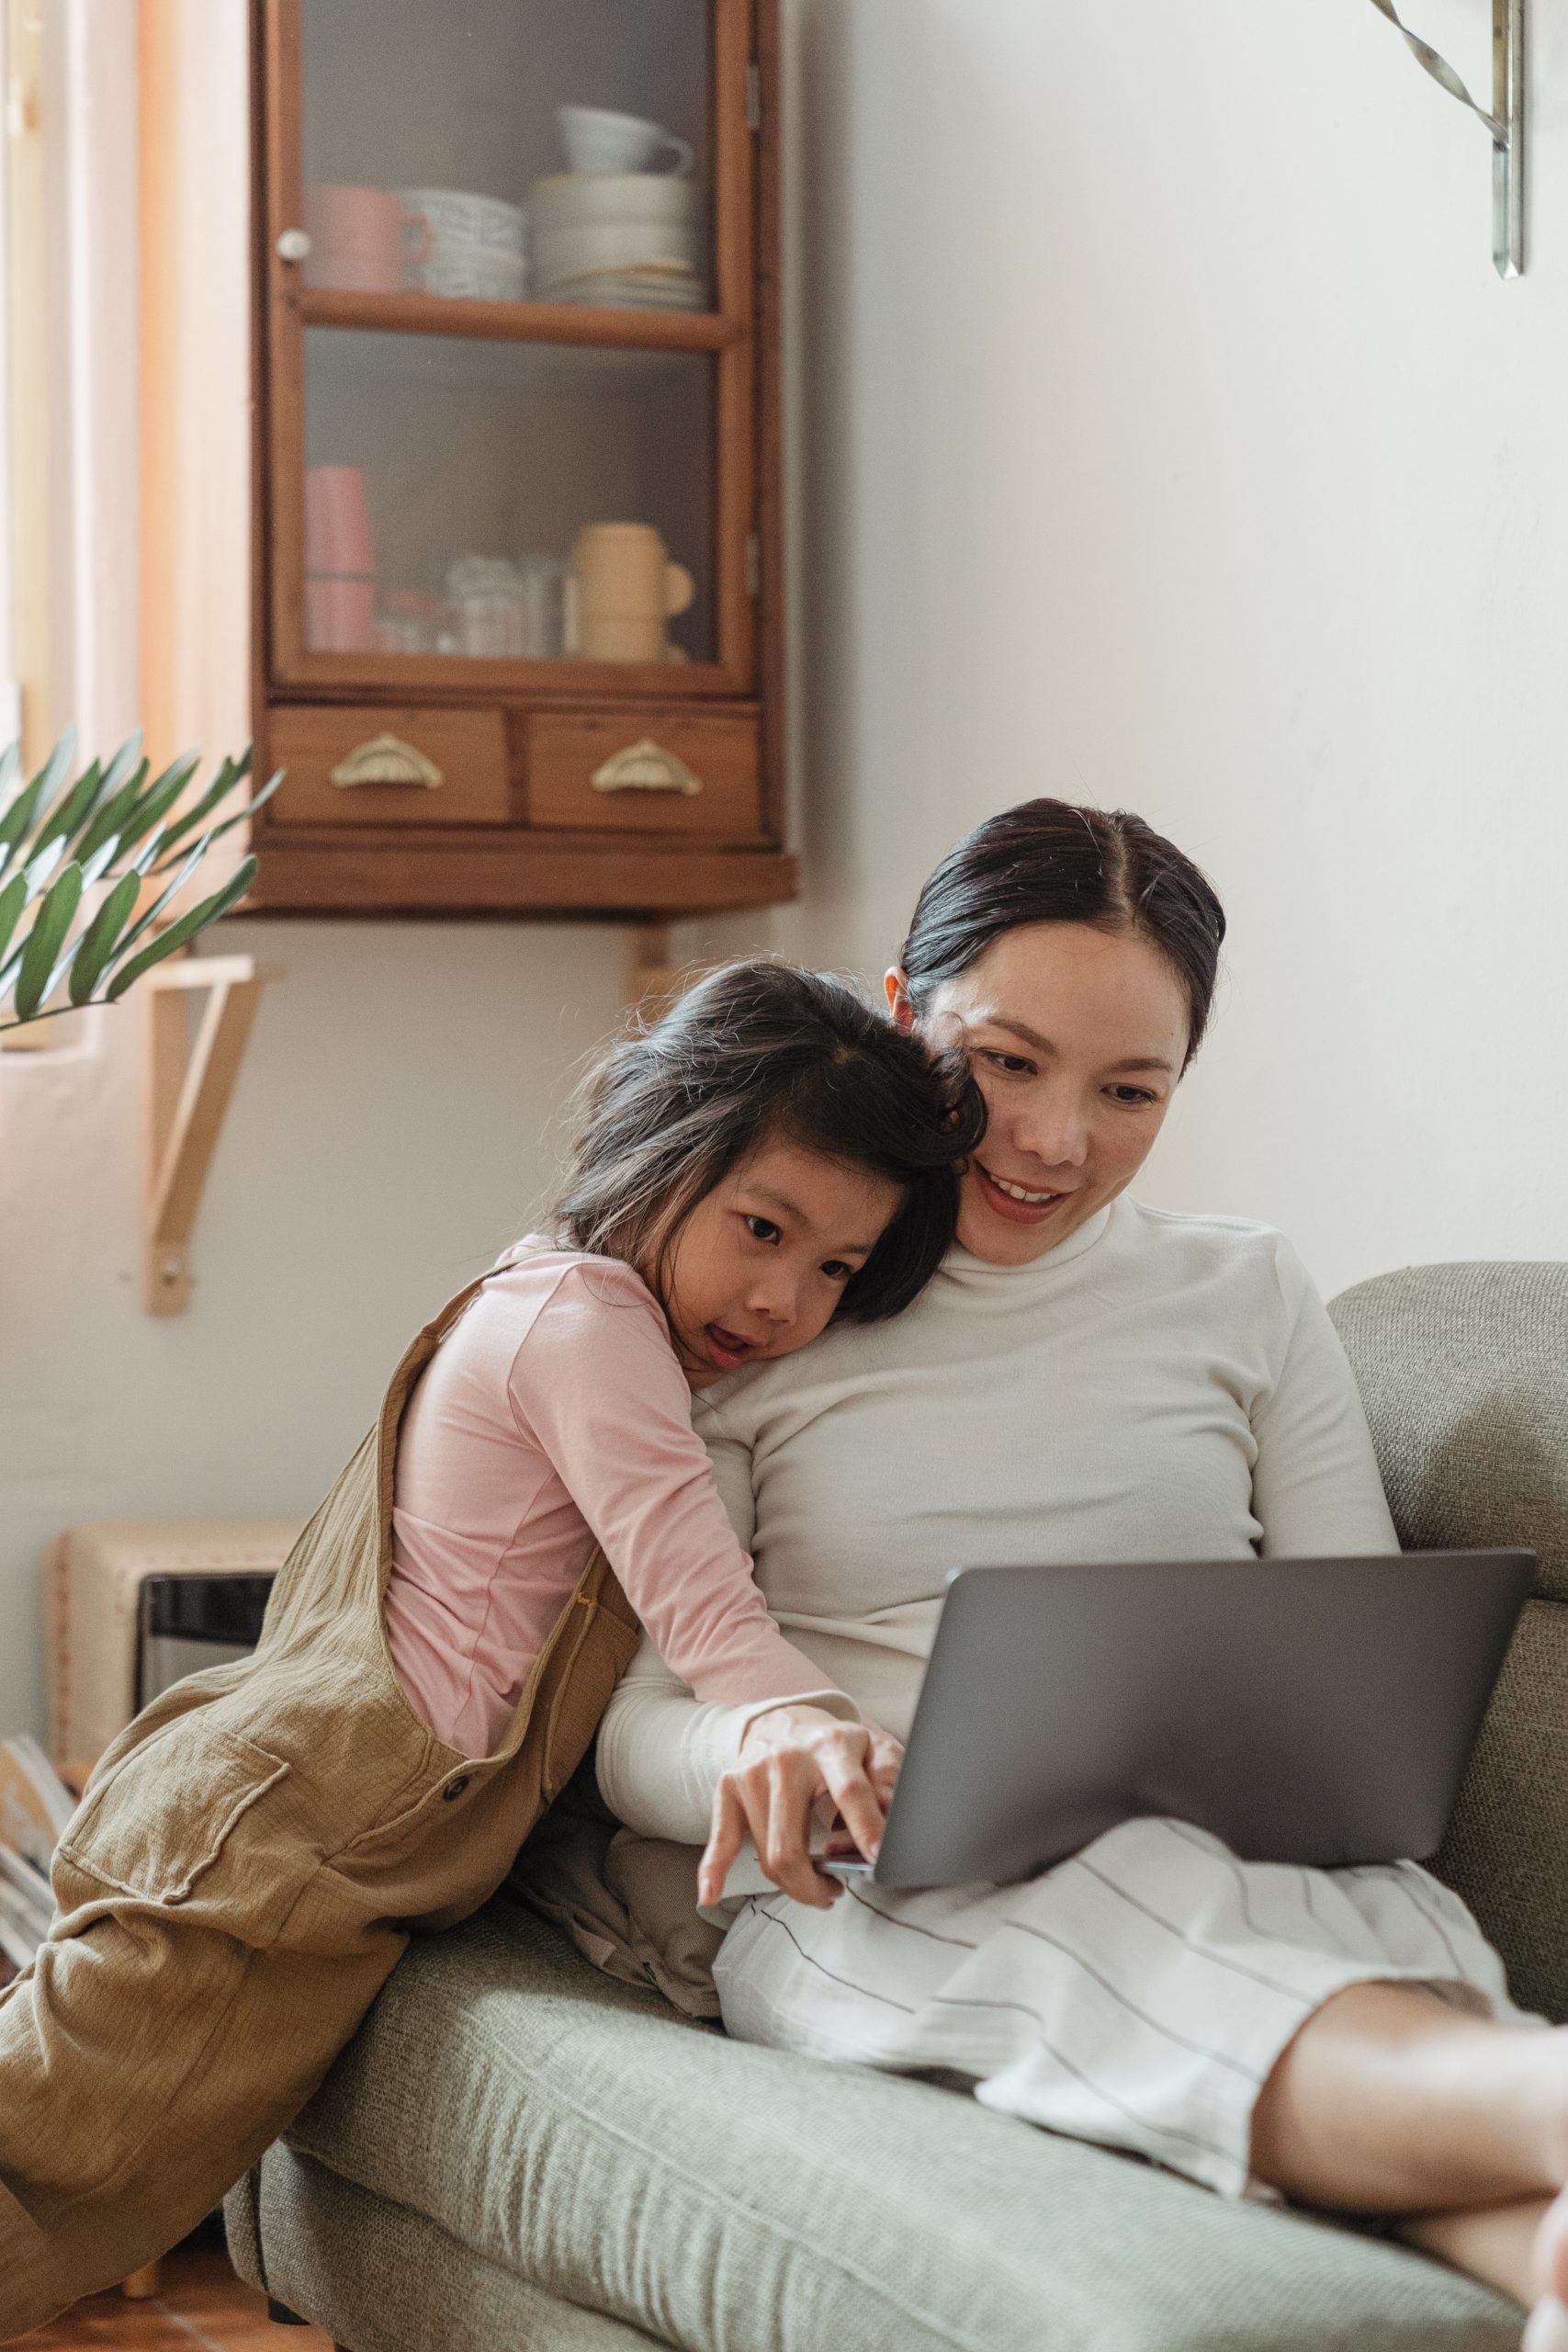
(622, 240)
(464, 245)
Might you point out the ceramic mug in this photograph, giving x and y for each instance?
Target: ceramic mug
(597, 139)
(623, 589)
(337, 522)
(340, 615)
(358, 238)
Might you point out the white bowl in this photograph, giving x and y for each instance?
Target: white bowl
(457, 216)
(472, 273)
(629, 290)
(612, 244)
(572, 200)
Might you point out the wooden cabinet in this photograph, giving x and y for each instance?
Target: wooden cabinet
(516, 495)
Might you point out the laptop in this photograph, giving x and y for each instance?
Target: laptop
(1303, 1711)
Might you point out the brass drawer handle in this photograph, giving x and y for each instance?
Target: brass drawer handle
(386, 759)
(645, 767)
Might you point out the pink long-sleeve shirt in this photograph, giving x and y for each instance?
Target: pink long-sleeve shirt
(554, 1416)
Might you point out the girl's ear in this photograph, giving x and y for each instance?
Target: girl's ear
(897, 994)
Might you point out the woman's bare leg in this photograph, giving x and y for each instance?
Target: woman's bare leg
(1389, 2100)
(1495, 2243)
(1548, 2330)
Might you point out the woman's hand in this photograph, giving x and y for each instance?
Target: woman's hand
(791, 1759)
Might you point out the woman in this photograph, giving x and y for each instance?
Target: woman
(1087, 1379)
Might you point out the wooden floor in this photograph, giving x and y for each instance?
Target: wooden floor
(199, 2302)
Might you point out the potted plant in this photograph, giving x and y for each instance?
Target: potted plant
(81, 862)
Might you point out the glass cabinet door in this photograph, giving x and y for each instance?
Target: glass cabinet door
(510, 500)
(496, 149)
(511, 341)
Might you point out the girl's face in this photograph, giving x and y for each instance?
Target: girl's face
(1076, 1038)
(761, 1264)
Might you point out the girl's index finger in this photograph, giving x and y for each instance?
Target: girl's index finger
(726, 1839)
(856, 1799)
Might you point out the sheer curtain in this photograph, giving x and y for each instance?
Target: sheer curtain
(69, 641)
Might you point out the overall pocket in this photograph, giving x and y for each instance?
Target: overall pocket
(162, 1828)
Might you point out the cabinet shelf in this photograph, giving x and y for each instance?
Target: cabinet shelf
(324, 306)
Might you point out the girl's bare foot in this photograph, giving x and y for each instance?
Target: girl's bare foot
(1548, 2329)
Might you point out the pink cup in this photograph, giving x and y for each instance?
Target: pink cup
(340, 615)
(350, 275)
(337, 521)
(359, 223)
(361, 241)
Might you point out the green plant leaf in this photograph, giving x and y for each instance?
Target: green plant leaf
(73, 810)
(106, 825)
(127, 757)
(13, 899)
(38, 869)
(35, 879)
(85, 814)
(17, 818)
(232, 773)
(101, 936)
(52, 921)
(159, 799)
(189, 819)
(178, 932)
(218, 831)
(144, 921)
(20, 815)
(94, 867)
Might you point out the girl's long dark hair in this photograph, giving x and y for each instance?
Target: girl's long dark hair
(757, 1051)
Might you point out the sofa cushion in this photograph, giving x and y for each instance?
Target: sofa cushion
(385, 2278)
(1461, 1370)
(581, 2136)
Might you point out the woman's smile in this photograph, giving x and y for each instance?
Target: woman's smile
(1018, 1204)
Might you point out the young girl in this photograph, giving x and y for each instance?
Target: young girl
(763, 1162)
(253, 1851)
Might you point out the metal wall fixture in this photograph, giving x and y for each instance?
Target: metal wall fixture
(1506, 121)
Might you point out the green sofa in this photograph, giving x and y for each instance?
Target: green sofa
(517, 2155)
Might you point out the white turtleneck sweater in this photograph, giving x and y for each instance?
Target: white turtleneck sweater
(1155, 1387)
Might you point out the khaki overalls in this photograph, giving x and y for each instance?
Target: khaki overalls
(242, 1875)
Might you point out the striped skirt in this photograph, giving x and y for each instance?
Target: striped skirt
(1137, 1995)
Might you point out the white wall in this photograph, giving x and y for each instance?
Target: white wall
(1166, 440)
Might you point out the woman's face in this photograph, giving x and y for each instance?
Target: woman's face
(1076, 1038)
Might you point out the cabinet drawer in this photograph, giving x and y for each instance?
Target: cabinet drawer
(644, 772)
(365, 767)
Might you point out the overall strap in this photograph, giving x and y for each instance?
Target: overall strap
(417, 1354)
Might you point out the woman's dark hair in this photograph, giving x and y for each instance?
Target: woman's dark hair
(755, 1052)
(1046, 861)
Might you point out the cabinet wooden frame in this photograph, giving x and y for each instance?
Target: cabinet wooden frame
(524, 868)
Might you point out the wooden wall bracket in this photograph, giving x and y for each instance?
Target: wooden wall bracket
(654, 981)
(188, 1088)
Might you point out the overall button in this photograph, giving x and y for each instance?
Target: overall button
(454, 1788)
